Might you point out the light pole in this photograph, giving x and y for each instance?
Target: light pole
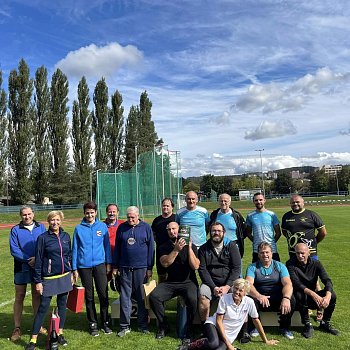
(92, 172)
(261, 169)
(336, 177)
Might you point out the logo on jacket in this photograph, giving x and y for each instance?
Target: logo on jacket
(99, 233)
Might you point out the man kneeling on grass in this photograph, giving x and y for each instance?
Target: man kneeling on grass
(304, 273)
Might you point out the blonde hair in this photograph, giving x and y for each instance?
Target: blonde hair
(54, 213)
(241, 283)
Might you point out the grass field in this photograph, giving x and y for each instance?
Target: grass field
(334, 252)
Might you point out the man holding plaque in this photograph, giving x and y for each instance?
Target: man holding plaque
(180, 261)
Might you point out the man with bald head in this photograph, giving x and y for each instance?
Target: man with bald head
(304, 273)
(180, 262)
(196, 217)
(299, 226)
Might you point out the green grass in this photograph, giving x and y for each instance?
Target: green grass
(334, 252)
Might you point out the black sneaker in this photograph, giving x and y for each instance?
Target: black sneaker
(93, 330)
(245, 338)
(106, 330)
(30, 346)
(61, 340)
(327, 327)
(308, 331)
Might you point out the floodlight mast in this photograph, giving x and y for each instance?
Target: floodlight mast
(261, 169)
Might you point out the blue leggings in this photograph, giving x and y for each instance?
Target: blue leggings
(43, 308)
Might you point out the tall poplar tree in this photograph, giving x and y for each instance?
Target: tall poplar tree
(58, 135)
(146, 130)
(81, 130)
(20, 88)
(115, 129)
(100, 126)
(3, 137)
(41, 162)
(131, 137)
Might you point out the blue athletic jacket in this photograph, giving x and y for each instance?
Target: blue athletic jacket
(134, 246)
(53, 255)
(22, 244)
(91, 245)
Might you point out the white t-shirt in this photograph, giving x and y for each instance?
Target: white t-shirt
(234, 315)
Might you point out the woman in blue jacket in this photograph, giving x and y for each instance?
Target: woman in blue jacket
(91, 260)
(52, 273)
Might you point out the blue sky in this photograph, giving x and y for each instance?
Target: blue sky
(225, 77)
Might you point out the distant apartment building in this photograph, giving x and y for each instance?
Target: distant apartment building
(295, 174)
(331, 169)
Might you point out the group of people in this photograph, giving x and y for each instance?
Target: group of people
(113, 249)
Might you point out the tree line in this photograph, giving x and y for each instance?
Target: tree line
(316, 181)
(37, 139)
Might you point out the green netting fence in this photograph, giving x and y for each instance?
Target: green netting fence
(156, 174)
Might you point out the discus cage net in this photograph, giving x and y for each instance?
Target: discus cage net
(155, 175)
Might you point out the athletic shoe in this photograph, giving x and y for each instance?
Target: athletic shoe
(254, 333)
(286, 333)
(327, 327)
(160, 334)
(144, 331)
(308, 331)
(30, 346)
(123, 332)
(16, 334)
(93, 330)
(245, 338)
(61, 340)
(106, 330)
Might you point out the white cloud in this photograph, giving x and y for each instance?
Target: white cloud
(223, 119)
(274, 97)
(97, 61)
(224, 164)
(270, 129)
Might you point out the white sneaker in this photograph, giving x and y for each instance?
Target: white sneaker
(124, 332)
(254, 333)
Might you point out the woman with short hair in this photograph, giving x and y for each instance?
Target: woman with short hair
(52, 274)
(223, 327)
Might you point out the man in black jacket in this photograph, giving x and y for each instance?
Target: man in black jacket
(232, 220)
(220, 265)
(304, 273)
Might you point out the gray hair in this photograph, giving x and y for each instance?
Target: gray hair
(133, 209)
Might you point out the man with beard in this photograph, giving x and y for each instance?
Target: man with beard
(180, 261)
(160, 233)
(220, 265)
(263, 226)
(299, 225)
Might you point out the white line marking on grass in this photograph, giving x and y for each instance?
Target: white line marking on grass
(12, 300)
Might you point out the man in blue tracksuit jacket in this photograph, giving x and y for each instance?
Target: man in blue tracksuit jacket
(91, 260)
(133, 259)
(23, 238)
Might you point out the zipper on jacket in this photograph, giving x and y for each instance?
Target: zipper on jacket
(61, 253)
(49, 267)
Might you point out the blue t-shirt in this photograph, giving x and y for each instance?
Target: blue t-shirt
(229, 223)
(267, 271)
(197, 220)
(262, 224)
